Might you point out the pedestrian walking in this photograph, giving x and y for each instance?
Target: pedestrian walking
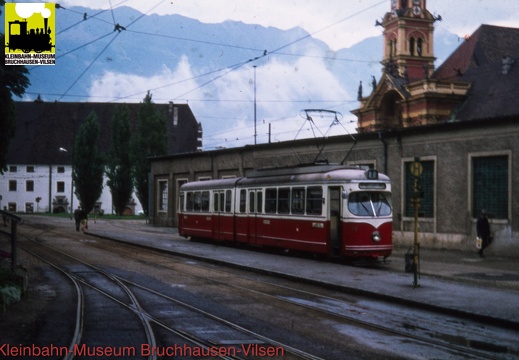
(84, 220)
(77, 217)
(483, 232)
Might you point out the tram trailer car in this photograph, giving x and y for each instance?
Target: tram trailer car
(334, 210)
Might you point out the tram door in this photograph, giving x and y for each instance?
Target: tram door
(334, 208)
(218, 203)
(255, 208)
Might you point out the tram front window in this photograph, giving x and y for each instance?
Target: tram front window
(369, 204)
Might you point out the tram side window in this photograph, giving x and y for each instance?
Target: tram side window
(259, 200)
(218, 201)
(198, 201)
(298, 201)
(228, 200)
(181, 204)
(252, 203)
(271, 195)
(190, 201)
(243, 200)
(314, 200)
(201, 201)
(205, 200)
(283, 200)
(215, 202)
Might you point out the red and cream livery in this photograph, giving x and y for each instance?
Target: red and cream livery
(329, 209)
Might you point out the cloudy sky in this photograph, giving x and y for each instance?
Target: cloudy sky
(339, 23)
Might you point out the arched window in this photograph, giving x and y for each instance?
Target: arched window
(389, 109)
(419, 47)
(411, 46)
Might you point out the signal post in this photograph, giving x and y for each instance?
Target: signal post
(416, 169)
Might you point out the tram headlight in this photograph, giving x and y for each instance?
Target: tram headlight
(376, 236)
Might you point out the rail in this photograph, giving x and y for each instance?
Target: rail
(13, 220)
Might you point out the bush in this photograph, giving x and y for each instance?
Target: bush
(9, 294)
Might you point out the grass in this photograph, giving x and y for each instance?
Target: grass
(105, 216)
(10, 293)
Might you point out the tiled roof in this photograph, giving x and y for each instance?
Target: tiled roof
(480, 60)
(43, 128)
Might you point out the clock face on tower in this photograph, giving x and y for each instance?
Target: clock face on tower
(417, 9)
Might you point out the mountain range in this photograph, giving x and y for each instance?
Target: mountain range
(219, 69)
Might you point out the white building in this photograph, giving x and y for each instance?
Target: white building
(49, 188)
(38, 176)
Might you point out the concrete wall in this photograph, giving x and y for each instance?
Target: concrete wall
(450, 148)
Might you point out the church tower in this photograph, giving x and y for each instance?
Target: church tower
(408, 39)
(408, 94)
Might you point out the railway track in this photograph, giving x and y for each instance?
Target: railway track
(254, 343)
(453, 337)
(408, 326)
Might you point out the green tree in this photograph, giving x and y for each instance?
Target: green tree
(13, 81)
(87, 163)
(149, 140)
(119, 166)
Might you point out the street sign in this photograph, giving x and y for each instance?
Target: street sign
(416, 168)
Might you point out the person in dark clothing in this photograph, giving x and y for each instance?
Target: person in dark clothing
(77, 217)
(83, 220)
(483, 232)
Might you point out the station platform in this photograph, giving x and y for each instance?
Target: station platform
(455, 282)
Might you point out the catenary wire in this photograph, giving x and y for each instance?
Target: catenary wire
(232, 67)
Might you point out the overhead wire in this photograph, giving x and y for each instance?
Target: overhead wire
(94, 16)
(289, 44)
(227, 69)
(265, 53)
(88, 67)
(328, 26)
(106, 46)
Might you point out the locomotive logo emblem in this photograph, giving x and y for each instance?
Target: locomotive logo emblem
(30, 34)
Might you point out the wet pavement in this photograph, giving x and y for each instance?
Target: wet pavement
(450, 281)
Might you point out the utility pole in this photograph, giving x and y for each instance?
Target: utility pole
(255, 130)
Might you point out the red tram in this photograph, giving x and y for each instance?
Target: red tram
(330, 209)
